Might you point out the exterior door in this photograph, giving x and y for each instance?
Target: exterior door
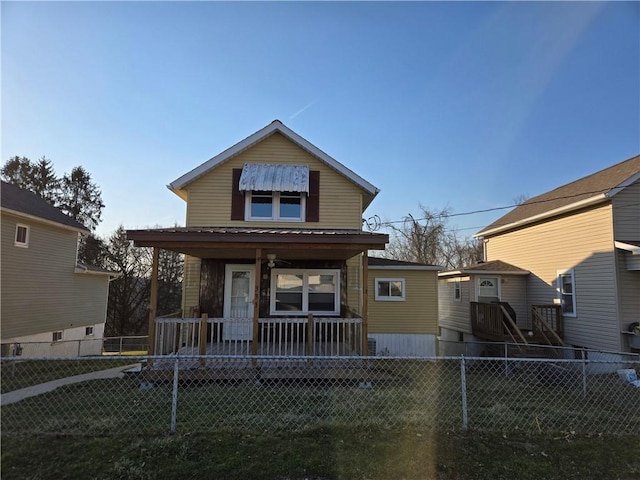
(238, 302)
(488, 289)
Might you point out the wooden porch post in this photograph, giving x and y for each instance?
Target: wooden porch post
(256, 302)
(310, 332)
(365, 300)
(153, 301)
(202, 347)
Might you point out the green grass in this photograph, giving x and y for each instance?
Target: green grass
(19, 374)
(322, 453)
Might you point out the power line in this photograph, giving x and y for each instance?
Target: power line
(494, 209)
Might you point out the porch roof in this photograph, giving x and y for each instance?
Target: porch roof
(241, 242)
(493, 267)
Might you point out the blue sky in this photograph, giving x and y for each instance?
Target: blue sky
(452, 104)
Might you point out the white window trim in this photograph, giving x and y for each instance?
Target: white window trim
(498, 280)
(457, 288)
(93, 331)
(573, 291)
(54, 340)
(385, 298)
(15, 238)
(275, 209)
(305, 291)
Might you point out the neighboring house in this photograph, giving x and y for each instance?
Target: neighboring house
(575, 250)
(276, 260)
(50, 304)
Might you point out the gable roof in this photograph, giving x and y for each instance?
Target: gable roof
(595, 188)
(494, 267)
(27, 204)
(276, 126)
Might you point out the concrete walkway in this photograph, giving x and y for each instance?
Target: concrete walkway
(33, 390)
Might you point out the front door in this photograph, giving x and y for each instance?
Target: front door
(239, 284)
(488, 289)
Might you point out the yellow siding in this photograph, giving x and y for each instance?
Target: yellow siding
(209, 197)
(417, 314)
(40, 291)
(626, 213)
(584, 242)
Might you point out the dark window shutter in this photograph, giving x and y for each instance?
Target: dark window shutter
(237, 197)
(313, 200)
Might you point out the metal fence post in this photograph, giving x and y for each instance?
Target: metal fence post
(463, 378)
(584, 374)
(174, 397)
(506, 359)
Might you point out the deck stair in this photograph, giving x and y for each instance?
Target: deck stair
(496, 322)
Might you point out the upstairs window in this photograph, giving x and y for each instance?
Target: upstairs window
(282, 206)
(22, 236)
(267, 192)
(457, 295)
(56, 336)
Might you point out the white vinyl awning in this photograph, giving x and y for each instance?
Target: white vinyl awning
(274, 178)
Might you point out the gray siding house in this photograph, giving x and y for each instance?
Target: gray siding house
(51, 305)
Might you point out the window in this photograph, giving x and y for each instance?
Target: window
(295, 292)
(57, 336)
(566, 292)
(457, 295)
(283, 206)
(22, 236)
(389, 289)
(88, 331)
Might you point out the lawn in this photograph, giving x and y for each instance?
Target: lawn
(323, 453)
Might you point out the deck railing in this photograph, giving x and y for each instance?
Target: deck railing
(324, 336)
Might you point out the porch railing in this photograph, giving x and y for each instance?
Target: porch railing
(323, 336)
(491, 321)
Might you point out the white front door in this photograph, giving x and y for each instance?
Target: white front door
(239, 284)
(488, 289)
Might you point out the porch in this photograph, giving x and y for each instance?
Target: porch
(287, 336)
(496, 322)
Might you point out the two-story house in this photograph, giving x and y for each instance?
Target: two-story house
(51, 305)
(570, 257)
(277, 261)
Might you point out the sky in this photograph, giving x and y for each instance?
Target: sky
(458, 105)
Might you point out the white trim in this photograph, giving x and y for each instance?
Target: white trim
(574, 303)
(635, 250)
(389, 298)
(479, 278)
(622, 185)
(432, 268)
(541, 216)
(275, 209)
(457, 288)
(305, 290)
(54, 334)
(275, 126)
(24, 244)
(44, 220)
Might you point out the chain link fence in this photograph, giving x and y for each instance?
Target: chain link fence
(118, 395)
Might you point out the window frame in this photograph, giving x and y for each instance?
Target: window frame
(57, 336)
(89, 331)
(305, 291)
(560, 292)
(17, 243)
(457, 290)
(275, 207)
(389, 298)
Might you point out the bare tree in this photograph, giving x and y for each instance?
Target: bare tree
(428, 239)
